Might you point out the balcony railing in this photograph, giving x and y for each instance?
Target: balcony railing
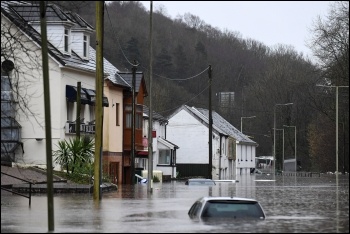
(84, 128)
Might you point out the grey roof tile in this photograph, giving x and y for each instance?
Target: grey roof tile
(223, 125)
(21, 13)
(155, 115)
(127, 76)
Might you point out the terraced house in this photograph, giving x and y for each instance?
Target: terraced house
(72, 63)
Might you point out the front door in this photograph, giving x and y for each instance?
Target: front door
(113, 172)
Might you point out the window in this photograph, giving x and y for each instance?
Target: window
(223, 147)
(85, 46)
(117, 114)
(70, 108)
(138, 121)
(66, 40)
(128, 120)
(164, 157)
(138, 116)
(82, 112)
(92, 113)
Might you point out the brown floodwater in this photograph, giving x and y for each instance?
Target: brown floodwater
(302, 204)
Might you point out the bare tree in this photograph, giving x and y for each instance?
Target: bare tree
(330, 44)
(20, 71)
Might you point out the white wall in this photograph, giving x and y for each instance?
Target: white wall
(191, 136)
(247, 153)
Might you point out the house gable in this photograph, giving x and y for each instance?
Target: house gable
(190, 135)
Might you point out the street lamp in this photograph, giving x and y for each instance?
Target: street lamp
(242, 121)
(295, 144)
(336, 124)
(274, 134)
(282, 148)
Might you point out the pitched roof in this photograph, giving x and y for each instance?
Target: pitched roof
(23, 13)
(167, 143)
(219, 123)
(155, 115)
(127, 76)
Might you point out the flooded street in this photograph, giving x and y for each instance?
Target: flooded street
(303, 204)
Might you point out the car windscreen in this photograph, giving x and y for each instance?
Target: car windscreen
(233, 209)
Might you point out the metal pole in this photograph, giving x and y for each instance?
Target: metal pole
(283, 151)
(133, 125)
(336, 124)
(336, 132)
(295, 153)
(274, 141)
(210, 129)
(150, 120)
(274, 134)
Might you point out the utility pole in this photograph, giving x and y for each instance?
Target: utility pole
(77, 123)
(133, 125)
(98, 104)
(45, 62)
(210, 129)
(150, 119)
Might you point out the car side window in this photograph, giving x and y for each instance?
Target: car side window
(194, 210)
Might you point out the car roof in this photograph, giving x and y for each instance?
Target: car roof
(207, 198)
(200, 179)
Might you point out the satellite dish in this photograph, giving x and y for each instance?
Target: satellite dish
(7, 65)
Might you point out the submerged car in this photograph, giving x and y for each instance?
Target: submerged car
(209, 208)
(200, 181)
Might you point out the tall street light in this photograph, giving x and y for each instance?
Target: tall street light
(336, 124)
(282, 129)
(336, 132)
(295, 144)
(242, 121)
(274, 134)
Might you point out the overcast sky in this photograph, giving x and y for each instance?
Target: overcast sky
(270, 22)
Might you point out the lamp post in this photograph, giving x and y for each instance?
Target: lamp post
(282, 148)
(295, 144)
(274, 134)
(242, 121)
(336, 124)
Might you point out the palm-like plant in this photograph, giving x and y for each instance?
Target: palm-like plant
(63, 156)
(76, 152)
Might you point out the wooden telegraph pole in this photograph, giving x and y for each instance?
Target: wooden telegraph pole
(150, 119)
(45, 63)
(77, 122)
(98, 104)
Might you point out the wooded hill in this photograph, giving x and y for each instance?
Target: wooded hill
(255, 76)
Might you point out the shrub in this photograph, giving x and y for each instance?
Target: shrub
(75, 155)
(156, 179)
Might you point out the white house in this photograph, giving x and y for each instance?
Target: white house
(164, 151)
(71, 60)
(233, 153)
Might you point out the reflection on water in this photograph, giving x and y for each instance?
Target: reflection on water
(291, 205)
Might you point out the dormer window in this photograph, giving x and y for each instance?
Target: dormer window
(66, 40)
(85, 46)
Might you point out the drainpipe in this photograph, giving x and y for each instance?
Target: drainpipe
(220, 156)
(166, 123)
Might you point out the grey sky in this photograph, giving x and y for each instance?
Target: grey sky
(270, 22)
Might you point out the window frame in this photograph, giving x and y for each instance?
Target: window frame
(66, 46)
(167, 157)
